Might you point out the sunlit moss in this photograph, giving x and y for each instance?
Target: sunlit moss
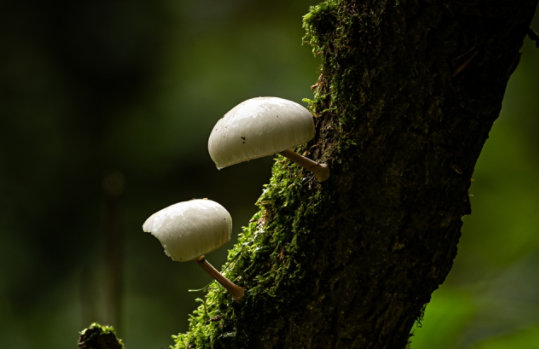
(263, 261)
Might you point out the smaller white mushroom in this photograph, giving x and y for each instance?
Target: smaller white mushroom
(263, 126)
(190, 229)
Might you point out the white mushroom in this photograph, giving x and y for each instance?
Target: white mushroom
(189, 229)
(263, 126)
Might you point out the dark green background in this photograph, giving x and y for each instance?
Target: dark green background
(113, 101)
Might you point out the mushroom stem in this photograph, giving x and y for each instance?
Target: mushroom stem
(320, 171)
(236, 291)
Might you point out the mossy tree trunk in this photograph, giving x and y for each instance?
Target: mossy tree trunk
(406, 97)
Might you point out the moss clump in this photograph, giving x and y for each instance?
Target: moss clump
(348, 42)
(267, 260)
(319, 24)
(98, 336)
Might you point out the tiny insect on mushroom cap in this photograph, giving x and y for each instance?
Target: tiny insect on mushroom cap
(263, 126)
(190, 229)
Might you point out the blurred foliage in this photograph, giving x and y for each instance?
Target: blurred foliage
(106, 108)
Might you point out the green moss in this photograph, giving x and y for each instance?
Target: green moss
(265, 260)
(273, 248)
(340, 35)
(319, 24)
(98, 336)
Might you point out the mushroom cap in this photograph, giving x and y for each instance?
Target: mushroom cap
(190, 229)
(258, 127)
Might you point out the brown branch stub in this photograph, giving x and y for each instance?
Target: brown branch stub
(99, 337)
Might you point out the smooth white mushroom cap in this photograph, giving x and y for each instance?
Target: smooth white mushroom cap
(190, 229)
(258, 127)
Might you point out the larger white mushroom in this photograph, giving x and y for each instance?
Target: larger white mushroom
(190, 229)
(263, 126)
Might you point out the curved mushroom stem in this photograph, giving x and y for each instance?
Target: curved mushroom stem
(320, 171)
(236, 291)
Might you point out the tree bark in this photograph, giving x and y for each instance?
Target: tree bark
(407, 95)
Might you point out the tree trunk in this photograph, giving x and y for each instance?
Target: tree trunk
(406, 97)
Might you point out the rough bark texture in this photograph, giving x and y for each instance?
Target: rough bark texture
(406, 97)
